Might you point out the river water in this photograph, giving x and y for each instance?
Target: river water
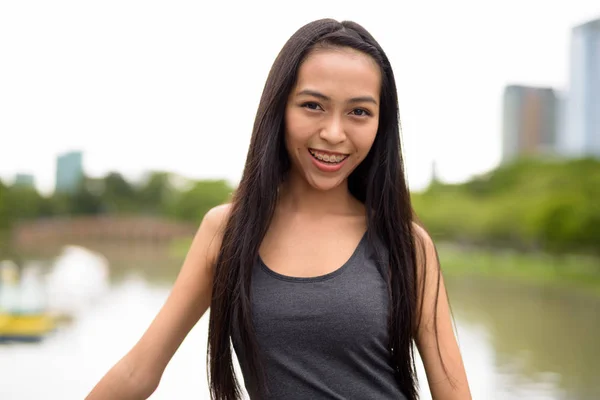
(518, 342)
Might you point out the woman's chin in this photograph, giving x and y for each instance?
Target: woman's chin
(325, 184)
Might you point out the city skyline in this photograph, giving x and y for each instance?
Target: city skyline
(544, 121)
(142, 97)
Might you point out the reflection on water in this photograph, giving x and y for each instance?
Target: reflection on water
(77, 278)
(539, 335)
(69, 363)
(517, 342)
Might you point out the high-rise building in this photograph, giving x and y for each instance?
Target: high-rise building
(25, 180)
(582, 134)
(529, 122)
(69, 172)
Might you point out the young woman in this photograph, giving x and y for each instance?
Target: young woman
(317, 271)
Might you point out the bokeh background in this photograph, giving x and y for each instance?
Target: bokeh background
(123, 122)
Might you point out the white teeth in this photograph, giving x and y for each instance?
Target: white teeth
(327, 157)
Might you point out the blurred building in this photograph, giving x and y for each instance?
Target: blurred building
(562, 118)
(24, 180)
(530, 122)
(582, 134)
(69, 172)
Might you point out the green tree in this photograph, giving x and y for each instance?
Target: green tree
(24, 202)
(530, 204)
(118, 196)
(156, 193)
(84, 202)
(197, 201)
(5, 216)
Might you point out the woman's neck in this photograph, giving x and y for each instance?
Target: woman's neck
(296, 195)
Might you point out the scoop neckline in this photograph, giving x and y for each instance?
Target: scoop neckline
(319, 278)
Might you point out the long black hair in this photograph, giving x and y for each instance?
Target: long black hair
(379, 182)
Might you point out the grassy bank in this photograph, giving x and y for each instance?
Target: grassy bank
(569, 271)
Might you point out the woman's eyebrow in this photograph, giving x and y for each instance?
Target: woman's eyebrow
(321, 96)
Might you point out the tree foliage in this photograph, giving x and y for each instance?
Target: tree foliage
(113, 194)
(531, 204)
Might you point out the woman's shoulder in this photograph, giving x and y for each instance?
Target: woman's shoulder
(216, 218)
(212, 229)
(425, 250)
(420, 235)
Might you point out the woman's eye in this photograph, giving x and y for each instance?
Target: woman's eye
(312, 106)
(359, 112)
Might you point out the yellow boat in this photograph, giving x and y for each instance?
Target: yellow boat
(25, 327)
(23, 317)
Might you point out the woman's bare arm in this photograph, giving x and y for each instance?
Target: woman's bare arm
(137, 375)
(443, 365)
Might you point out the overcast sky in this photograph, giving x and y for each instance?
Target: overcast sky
(174, 85)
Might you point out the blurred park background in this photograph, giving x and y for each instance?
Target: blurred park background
(121, 124)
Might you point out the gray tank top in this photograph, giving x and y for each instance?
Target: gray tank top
(324, 337)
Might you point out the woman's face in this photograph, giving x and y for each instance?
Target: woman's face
(332, 115)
